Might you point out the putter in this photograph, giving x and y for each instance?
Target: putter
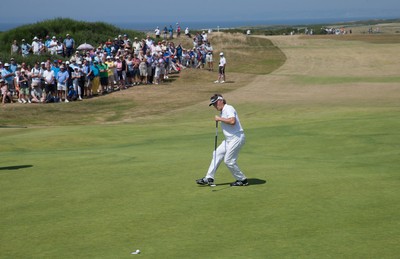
(215, 149)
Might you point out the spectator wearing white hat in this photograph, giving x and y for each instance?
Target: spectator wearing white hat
(62, 78)
(52, 48)
(221, 69)
(8, 76)
(36, 46)
(25, 48)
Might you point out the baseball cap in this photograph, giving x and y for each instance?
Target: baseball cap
(215, 98)
(221, 54)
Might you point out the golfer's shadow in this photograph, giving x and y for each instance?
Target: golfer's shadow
(252, 181)
(15, 167)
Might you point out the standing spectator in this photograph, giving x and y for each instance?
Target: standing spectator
(87, 87)
(94, 77)
(15, 49)
(136, 46)
(8, 76)
(165, 32)
(149, 41)
(157, 32)
(119, 68)
(187, 32)
(76, 76)
(60, 48)
(103, 69)
(25, 48)
(209, 56)
(49, 82)
(13, 65)
(23, 87)
(129, 70)
(179, 52)
(149, 60)
(52, 48)
(135, 71)
(62, 78)
(178, 30)
(111, 71)
(36, 89)
(204, 36)
(69, 44)
(36, 46)
(171, 32)
(47, 43)
(143, 71)
(221, 69)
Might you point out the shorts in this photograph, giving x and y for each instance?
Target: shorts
(24, 90)
(143, 71)
(209, 58)
(104, 81)
(61, 87)
(157, 72)
(221, 70)
(129, 73)
(136, 72)
(119, 75)
(50, 88)
(149, 71)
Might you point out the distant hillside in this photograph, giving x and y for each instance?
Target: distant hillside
(89, 32)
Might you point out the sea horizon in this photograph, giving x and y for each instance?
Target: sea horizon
(213, 25)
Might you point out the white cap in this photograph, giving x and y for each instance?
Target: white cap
(221, 54)
(6, 65)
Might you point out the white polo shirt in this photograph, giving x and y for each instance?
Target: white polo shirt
(230, 130)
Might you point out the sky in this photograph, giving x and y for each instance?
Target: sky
(142, 11)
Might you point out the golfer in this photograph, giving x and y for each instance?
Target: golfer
(229, 149)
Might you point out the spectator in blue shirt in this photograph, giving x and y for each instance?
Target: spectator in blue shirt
(69, 44)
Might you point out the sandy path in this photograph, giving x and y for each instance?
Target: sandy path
(320, 58)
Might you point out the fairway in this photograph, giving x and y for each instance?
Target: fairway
(322, 157)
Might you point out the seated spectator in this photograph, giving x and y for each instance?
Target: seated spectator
(5, 93)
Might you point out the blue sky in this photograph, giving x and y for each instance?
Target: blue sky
(117, 11)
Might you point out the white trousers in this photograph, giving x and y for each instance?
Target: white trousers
(228, 151)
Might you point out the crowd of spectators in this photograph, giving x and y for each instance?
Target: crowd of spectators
(90, 71)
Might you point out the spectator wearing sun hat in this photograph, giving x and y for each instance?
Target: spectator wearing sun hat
(25, 48)
(36, 46)
(52, 48)
(221, 69)
(62, 78)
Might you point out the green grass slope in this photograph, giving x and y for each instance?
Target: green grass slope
(324, 183)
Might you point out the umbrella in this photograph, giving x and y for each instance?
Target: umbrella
(85, 46)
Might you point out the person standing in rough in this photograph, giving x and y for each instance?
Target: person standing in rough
(221, 69)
